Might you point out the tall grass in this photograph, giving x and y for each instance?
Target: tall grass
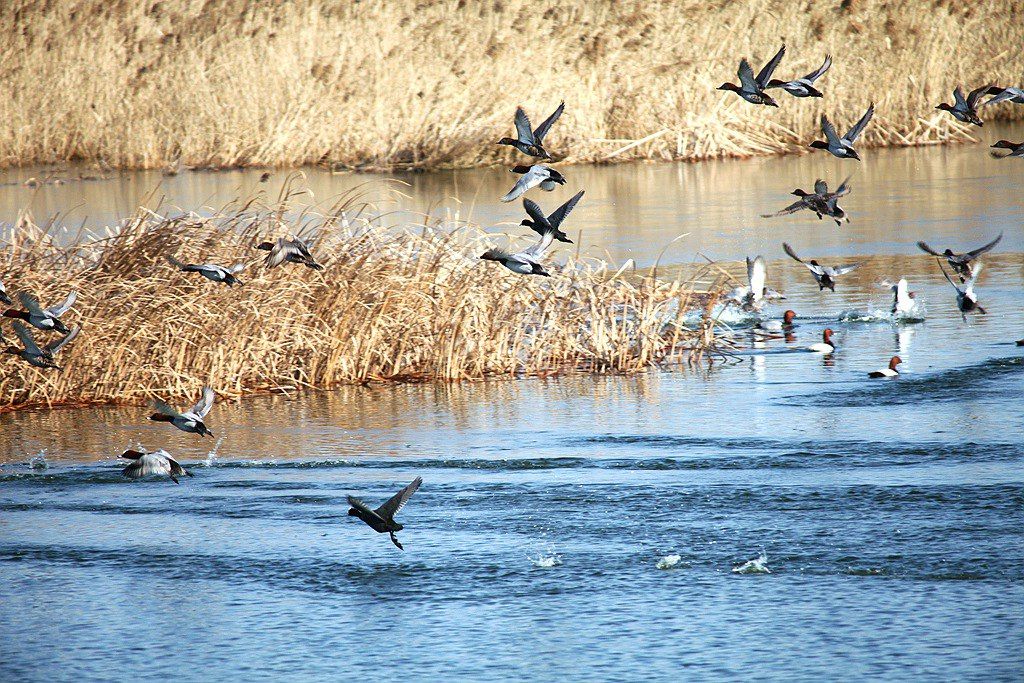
(398, 303)
(426, 84)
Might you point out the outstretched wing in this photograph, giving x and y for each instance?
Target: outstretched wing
(756, 275)
(556, 218)
(202, 407)
(523, 129)
(768, 69)
(26, 339)
(534, 212)
(525, 182)
(792, 208)
(792, 254)
(1003, 94)
(844, 187)
(950, 280)
(981, 250)
(31, 303)
(746, 74)
(924, 247)
(830, 131)
(958, 98)
(841, 270)
(57, 344)
(543, 128)
(820, 71)
(976, 94)
(391, 508)
(164, 409)
(820, 187)
(58, 311)
(237, 268)
(546, 238)
(858, 128)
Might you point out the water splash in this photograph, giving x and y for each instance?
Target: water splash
(38, 461)
(211, 457)
(758, 565)
(546, 561)
(669, 561)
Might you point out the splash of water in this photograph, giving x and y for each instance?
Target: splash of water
(38, 461)
(668, 561)
(758, 565)
(546, 561)
(211, 457)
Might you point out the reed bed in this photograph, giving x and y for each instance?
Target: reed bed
(428, 84)
(394, 303)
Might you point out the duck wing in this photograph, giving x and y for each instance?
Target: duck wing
(237, 268)
(164, 409)
(958, 98)
(976, 94)
(792, 208)
(58, 311)
(523, 129)
(31, 303)
(792, 254)
(147, 464)
(971, 255)
(391, 508)
(820, 187)
(746, 74)
(559, 215)
(537, 250)
(844, 187)
(950, 280)
(830, 131)
(534, 212)
(768, 69)
(526, 181)
(820, 71)
(57, 344)
(545, 126)
(1003, 94)
(925, 248)
(836, 271)
(278, 252)
(202, 407)
(26, 339)
(858, 127)
(362, 507)
(756, 275)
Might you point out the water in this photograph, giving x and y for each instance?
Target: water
(779, 515)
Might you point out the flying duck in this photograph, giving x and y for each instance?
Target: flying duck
(189, 421)
(532, 176)
(1015, 95)
(825, 345)
(960, 263)
(821, 202)
(382, 520)
(1016, 149)
(39, 317)
(541, 224)
(902, 298)
(842, 147)
(890, 371)
(753, 296)
(528, 141)
(156, 462)
(803, 87)
(527, 261)
(210, 271)
(966, 298)
(4, 299)
(966, 109)
(291, 250)
(753, 89)
(825, 276)
(44, 357)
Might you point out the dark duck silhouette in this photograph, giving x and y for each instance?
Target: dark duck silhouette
(961, 263)
(965, 109)
(821, 202)
(842, 147)
(825, 276)
(529, 141)
(39, 356)
(803, 87)
(291, 250)
(966, 297)
(752, 88)
(42, 318)
(1016, 149)
(382, 520)
(540, 223)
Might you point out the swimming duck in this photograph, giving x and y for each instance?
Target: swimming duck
(156, 462)
(753, 89)
(779, 325)
(532, 176)
(382, 520)
(1016, 149)
(753, 296)
(211, 271)
(292, 250)
(44, 357)
(529, 141)
(42, 318)
(527, 261)
(189, 421)
(966, 298)
(1015, 95)
(4, 299)
(541, 224)
(960, 263)
(803, 87)
(842, 147)
(825, 276)
(966, 109)
(825, 345)
(902, 298)
(890, 371)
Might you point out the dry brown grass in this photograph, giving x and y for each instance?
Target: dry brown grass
(410, 303)
(434, 83)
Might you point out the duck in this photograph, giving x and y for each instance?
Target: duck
(825, 345)
(189, 421)
(902, 298)
(755, 294)
(821, 202)
(42, 318)
(890, 371)
(803, 87)
(4, 299)
(527, 261)
(210, 271)
(146, 463)
(40, 357)
(831, 199)
(783, 325)
(752, 88)
(1016, 149)
(1020, 342)
(382, 520)
(960, 263)
(540, 223)
(292, 250)
(966, 109)
(532, 176)
(966, 298)
(528, 141)
(825, 276)
(842, 147)
(1015, 95)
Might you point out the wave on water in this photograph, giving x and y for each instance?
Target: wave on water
(668, 562)
(758, 565)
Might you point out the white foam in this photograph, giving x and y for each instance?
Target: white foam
(211, 457)
(668, 561)
(546, 561)
(758, 565)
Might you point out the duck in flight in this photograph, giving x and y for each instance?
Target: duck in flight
(540, 223)
(825, 276)
(529, 141)
(292, 250)
(960, 263)
(890, 371)
(902, 298)
(42, 318)
(40, 357)
(821, 202)
(803, 87)
(1015, 95)
(842, 147)
(965, 109)
(755, 294)
(190, 420)
(1016, 149)
(210, 271)
(752, 88)
(527, 261)
(966, 297)
(532, 176)
(145, 463)
(382, 520)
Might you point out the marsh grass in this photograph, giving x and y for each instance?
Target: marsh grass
(428, 84)
(394, 303)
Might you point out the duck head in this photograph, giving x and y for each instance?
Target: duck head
(15, 313)
(492, 254)
(13, 350)
(894, 361)
(819, 144)
(826, 336)
(945, 107)
(1004, 144)
(265, 246)
(787, 317)
(59, 325)
(202, 430)
(732, 87)
(800, 193)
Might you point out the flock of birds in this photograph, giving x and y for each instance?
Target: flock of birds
(530, 142)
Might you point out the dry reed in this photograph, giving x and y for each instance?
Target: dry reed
(427, 84)
(399, 303)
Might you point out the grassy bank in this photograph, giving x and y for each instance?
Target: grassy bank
(432, 84)
(410, 303)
